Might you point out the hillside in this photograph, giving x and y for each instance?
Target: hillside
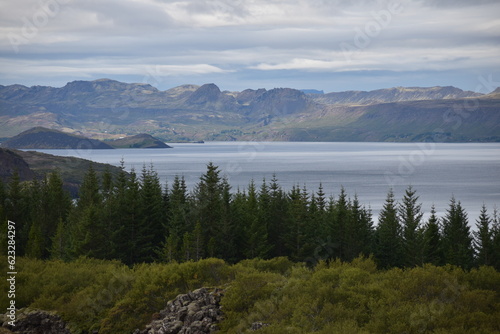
(110, 109)
(142, 140)
(10, 161)
(43, 138)
(30, 164)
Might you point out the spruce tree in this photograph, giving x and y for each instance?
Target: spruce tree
(388, 236)
(150, 231)
(208, 202)
(483, 239)
(295, 240)
(254, 229)
(457, 239)
(132, 218)
(340, 228)
(410, 215)
(359, 231)
(224, 242)
(169, 251)
(197, 242)
(89, 232)
(178, 211)
(186, 250)
(59, 247)
(56, 207)
(495, 261)
(35, 246)
(278, 226)
(432, 249)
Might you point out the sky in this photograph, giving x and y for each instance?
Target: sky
(329, 45)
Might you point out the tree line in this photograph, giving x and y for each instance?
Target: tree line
(134, 219)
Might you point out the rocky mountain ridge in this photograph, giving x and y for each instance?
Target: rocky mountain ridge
(109, 109)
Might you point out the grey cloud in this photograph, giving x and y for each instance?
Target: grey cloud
(456, 3)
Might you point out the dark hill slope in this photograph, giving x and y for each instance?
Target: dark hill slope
(30, 164)
(42, 138)
(10, 161)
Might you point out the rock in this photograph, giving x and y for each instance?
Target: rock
(197, 312)
(258, 325)
(38, 322)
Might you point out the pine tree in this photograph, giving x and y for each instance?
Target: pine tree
(495, 261)
(339, 232)
(432, 249)
(225, 247)
(89, 232)
(123, 214)
(59, 248)
(56, 205)
(208, 202)
(107, 183)
(254, 229)
(410, 215)
(178, 222)
(457, 240)
(388, 236)
(35, 245)
(359, 231)
(278, 227)
(298, 216)
(132, 218)
(150, 228)
(89, 194)
(169, 252)
(186, 249)
(197, 242)
(483, 239)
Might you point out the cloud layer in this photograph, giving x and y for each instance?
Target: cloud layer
(325, 44)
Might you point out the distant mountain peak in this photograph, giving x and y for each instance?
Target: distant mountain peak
(205, 94)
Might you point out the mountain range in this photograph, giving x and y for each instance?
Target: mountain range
(109, 109)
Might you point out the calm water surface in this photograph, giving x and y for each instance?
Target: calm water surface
(470, 172)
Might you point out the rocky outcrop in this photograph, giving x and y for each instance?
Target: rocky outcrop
(37, 322)
(197, 312)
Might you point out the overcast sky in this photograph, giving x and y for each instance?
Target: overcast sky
(330, 45)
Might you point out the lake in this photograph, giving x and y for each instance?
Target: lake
(438, 171)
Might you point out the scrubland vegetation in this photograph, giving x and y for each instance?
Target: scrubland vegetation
(332, 297)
